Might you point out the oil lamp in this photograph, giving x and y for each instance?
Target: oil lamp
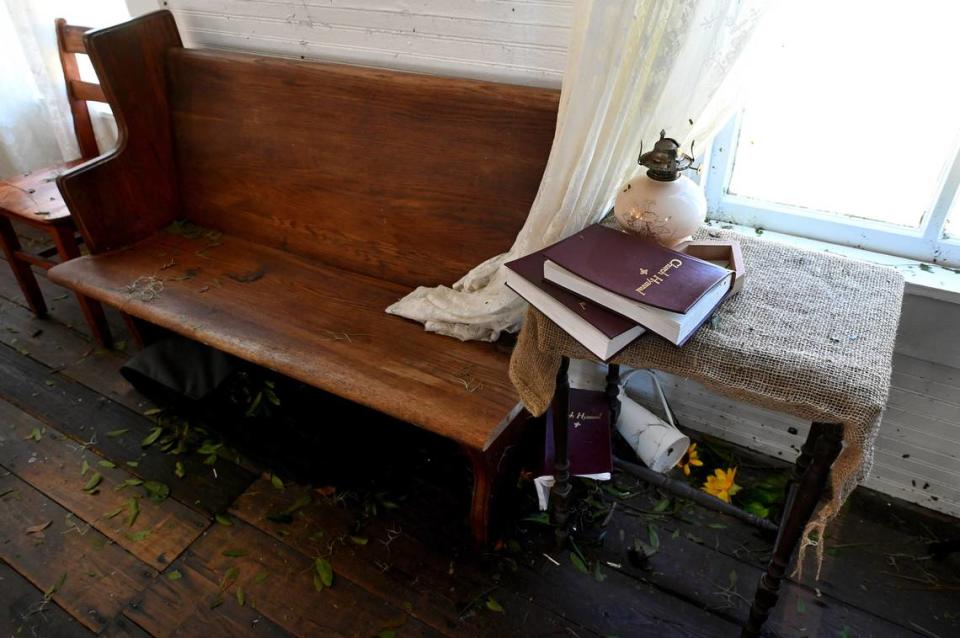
(662, 204)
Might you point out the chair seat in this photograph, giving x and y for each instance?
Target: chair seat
(34, 197)
(321, 325)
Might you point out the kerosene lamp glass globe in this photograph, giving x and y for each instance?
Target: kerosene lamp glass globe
(662, 204)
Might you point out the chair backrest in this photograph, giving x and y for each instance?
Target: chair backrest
(79, 92)
(410, 178)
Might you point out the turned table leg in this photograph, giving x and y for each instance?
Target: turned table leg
(562, 486)
(612, 391)
(821, 449)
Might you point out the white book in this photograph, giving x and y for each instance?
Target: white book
(673, 326)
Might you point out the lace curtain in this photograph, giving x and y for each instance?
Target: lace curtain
(634, 67)
(36, 128)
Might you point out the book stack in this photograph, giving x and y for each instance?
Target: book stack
(606, 288)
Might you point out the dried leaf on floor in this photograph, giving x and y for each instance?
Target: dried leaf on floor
(493, 605)
(38, 528)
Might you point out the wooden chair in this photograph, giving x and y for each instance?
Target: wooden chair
(33, 198)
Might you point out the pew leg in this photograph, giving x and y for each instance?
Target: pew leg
(484, 475)
(134, 329)
(820, 450)
(65, 238)
(26, 279)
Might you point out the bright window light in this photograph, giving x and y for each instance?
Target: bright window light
(951, 230)
(853, 109)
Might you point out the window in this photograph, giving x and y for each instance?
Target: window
(850, 129)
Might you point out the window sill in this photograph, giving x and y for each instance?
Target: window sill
(923, 280)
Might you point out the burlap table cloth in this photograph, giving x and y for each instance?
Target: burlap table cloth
(811, 334)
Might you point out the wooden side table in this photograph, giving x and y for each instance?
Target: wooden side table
(805, 489)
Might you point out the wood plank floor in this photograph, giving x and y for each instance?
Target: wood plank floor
(91, 543)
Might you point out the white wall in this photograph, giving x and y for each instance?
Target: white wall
(520, 41)
(918, 453)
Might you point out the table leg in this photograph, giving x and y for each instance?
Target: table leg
(561, 462)
(821, 449)
(613, 393)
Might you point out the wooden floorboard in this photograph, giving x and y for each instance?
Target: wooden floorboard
(114, 432)
(76, 566)
(444, 592)
(876, 573)
(400, 570)
(276, 581)
(25, 612)
(726, 583)
(69, 352)
(98, 490)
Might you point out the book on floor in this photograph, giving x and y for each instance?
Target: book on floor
(601, 331)
(588, 441)
(668, 292)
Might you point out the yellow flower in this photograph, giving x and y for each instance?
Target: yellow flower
(690, 458)
(722, 484)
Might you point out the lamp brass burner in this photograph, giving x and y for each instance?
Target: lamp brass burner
(665, 162)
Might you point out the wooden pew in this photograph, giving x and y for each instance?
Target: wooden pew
(274, 208)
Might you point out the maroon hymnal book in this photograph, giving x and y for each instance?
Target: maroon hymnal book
(588, 440)
(601, 331)
(667, 291)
